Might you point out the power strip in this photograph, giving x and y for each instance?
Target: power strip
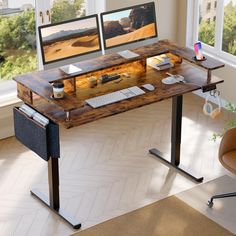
(106, 78)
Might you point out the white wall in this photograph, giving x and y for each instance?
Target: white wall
(227, 89)
(166, 14)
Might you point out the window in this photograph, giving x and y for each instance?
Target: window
(17, 38)
(215, 28)
(18, 22)
(18, 32)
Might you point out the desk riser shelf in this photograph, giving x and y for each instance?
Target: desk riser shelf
(93, 65)
(81, 86)
(103, 62)
(188, 55)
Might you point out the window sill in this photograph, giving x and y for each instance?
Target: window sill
(9, 102)
(8, 93)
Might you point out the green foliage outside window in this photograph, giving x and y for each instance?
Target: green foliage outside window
(207, 30)
(18, 44)
(229, 124)
(207, 33)
(62, 10)
(16, 65)
(18, 40)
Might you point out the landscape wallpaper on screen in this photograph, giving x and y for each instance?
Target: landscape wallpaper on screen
(70, 39)
(129, 25)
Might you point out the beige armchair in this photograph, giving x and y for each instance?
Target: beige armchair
(227, 157)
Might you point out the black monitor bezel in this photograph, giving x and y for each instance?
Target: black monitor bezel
(65, 22)
(123, 9)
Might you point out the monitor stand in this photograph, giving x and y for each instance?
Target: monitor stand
(70, 69)
(128, 54)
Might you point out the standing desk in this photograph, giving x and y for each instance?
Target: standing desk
(35, 89)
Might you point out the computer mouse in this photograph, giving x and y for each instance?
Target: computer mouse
(149, 87)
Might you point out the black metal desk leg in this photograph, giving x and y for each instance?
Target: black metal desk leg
(177, 104)
(53, 182)
(54, 198)
(176, 125)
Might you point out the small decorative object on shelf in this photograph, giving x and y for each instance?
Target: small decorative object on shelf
(58, 90)
(92, 81)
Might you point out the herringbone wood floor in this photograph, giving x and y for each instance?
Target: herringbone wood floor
(105, 168)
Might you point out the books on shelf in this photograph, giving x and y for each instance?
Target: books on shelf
(160, 62)
(161, 59)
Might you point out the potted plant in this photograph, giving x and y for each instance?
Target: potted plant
(229, 124)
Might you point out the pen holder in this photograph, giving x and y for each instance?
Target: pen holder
(58, 90)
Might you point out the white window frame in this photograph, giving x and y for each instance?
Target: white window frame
(95, 7)
(192, 32)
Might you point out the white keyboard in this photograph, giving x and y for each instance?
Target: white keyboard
(114, 97)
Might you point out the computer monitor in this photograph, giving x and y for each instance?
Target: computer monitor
(135, 25)
(77, 38)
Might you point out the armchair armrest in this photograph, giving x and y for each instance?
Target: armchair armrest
(228, 142)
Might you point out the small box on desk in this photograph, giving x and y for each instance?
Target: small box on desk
(43, 140)
(160, 62)
(163, 61)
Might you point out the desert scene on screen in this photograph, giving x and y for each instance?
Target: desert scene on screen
(66, 41)
(129, 25)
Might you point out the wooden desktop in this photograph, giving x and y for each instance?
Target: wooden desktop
(35, 89)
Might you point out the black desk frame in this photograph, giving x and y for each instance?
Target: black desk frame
(44, 141)
(177, 104)
(53, 202)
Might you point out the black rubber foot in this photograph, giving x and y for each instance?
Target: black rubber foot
(210, 204)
